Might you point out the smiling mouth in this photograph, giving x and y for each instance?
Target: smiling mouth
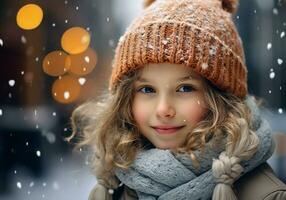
(167, 131)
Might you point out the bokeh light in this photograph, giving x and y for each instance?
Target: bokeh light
(54, 64)
(83, 63)
(29, 16)
(66, 89)
(75, 40)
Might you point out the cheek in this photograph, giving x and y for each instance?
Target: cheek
(139, 111)
(194, 112)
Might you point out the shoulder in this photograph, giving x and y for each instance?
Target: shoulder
(124, 193)
(99, 192)
(260, 184)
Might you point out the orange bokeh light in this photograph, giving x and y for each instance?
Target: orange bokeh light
(83, 63)
(75, 40)
(29, 16)
(66, 89)
(54, 64)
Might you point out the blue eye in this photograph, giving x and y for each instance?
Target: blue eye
(147, 90)
(187, 87)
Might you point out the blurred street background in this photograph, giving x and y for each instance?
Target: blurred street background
(37, 98)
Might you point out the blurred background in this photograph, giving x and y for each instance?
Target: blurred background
(62, 57)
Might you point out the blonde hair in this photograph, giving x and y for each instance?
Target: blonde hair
(108, 128)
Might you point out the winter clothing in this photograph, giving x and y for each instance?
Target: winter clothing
(199, 34)
(259, 184)
(158, 174)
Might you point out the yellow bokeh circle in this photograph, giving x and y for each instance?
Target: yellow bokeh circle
(29, 16)
(54, 64)
(75, 40)
(66, 89)
(83, 63)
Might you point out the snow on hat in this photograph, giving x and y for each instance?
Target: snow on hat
(197, 33)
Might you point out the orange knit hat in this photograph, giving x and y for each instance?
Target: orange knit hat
(197, 33)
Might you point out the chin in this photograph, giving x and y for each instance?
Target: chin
(166, 146)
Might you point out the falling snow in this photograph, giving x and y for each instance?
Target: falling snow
(272, 75)
(269, 46)
(66, 95)
(11, 83)
(86, 58)
(1, 112)
(282, 34)
(279, 61)
(150, 46)
(205, 65)
(31, 184)
(280, 111)
(38, 153)
(212, 50)
(111, 42)
(165, 42)
(56, 186)
(19, 185)
(275, 11)
(81, 81)
(1, 42)
(51, 138)
(54, 24)
(23, 39)
(54, 114)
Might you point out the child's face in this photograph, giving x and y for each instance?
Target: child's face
(165, 100)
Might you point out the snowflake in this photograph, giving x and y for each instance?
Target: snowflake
(279, 61)
(272, 75)
(205, 65)
(269, 46)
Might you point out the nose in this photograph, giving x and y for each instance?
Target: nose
(165, 108)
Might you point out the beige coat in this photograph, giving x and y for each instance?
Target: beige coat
(259, 184)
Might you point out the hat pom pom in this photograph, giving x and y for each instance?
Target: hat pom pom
(229, 5)
(147, 3)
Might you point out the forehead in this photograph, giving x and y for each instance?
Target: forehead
(167, 71)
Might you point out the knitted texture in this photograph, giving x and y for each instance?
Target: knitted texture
(199, 34)
(159, 174)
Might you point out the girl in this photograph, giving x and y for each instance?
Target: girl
(178, 122)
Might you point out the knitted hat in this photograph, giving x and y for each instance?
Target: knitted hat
(197, 33)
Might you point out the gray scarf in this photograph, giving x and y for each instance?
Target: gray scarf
(159, 174)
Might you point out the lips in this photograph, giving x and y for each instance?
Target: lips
(167, 129)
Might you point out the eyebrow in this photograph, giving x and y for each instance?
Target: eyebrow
(189, 77)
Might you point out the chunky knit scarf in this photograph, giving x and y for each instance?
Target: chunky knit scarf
(160, 174)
